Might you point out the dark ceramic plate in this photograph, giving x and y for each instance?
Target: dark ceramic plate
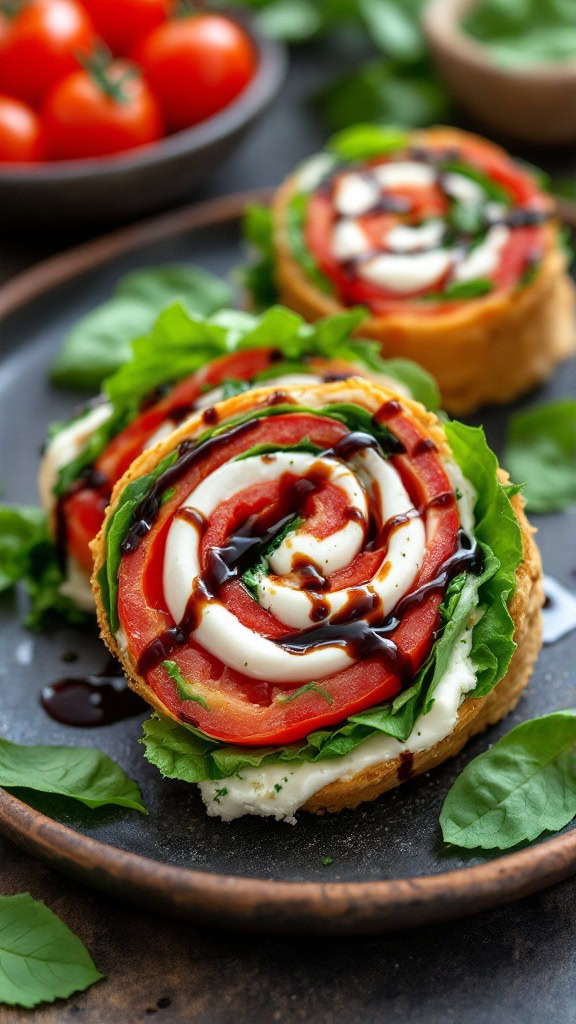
(390, 868)
(118, 188)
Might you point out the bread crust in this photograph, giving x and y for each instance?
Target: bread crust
(489, 349)
(525, 607)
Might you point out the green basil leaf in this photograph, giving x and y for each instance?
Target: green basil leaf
(363, 141)
(395, 27)
(81, 773)
(461, 290)
(258, 275)
(40, 958)
(523, 786)
(289, 696)
(290, 20)
(541, 449)
(184, 687)
(385, 91)
(28, 555)
(251, 577)
(101, 341)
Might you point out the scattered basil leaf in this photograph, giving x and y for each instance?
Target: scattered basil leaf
(385, 91)
(40, 958)
(521, 787)
(28, 555)
(252, 576)
(395, 27)
(529, 32)
(184, 687)
(81, 773)
(541, 449)
(461, 290)
(287, 698)
(100, 342)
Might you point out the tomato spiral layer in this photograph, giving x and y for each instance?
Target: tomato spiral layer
(426, 225)
(293, 586)
(81, 510)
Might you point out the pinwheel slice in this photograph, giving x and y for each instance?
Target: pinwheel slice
(283, 570)
(451, 246)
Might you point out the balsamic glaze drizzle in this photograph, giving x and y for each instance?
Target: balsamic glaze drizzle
(91, 700)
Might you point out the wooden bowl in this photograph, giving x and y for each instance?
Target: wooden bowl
(142, 180)
(536, 103)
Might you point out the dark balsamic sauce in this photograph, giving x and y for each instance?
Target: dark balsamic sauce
(422, 447)
(210, 415)
(91, 700)
(406, 766)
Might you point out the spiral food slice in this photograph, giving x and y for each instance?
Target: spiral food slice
(452, 248)
(274, 574)
(85, 458)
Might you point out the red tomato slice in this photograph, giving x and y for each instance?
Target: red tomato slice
(243, 710)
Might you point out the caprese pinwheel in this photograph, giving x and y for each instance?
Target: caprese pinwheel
(450, 245)
(307, 586)
(187, 364)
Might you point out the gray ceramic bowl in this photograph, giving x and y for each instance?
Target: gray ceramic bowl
(146, 179)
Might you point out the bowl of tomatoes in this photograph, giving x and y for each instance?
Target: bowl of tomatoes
(114, 108)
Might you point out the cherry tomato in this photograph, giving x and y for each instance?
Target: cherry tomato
(21, 138)
(196, 66)
(40, 44)
(121, 23)
(105, 111)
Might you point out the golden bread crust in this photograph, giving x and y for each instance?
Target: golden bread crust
(475, 715)
(489, 349)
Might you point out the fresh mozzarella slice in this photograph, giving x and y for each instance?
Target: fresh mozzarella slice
(412, 273)
(356, 194)
(404, 238)
(348, 240)
(404, 172)
(462, 188)
(483, 260)
(65, 446)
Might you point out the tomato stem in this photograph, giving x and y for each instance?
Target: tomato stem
(98, 66)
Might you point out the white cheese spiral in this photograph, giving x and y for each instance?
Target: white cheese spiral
(367, 481)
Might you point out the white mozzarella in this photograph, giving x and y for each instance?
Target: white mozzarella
(462, 188)
(404, 172)
(278, 790)
(404, 238)
(312, 171)
(411, 273)
(356, 194)
(348, 240)
(65, 446)
(483, 260)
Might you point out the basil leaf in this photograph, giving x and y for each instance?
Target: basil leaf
(184, 687)
(287, 698)
(490, 187)
(40, 958)
(386, 91)
(81, 773)
(395, 27)
(258, 275)
(252, 576)
(363, 141)
(290, 20)
(28, 555)
(523, 786)
(541, 449)
(100, 342)
(460, 290)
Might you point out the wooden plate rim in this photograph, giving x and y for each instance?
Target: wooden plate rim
(252, 903)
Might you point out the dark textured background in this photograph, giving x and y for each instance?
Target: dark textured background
(514, 964)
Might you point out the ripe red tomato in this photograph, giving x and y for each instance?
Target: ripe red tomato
(121, 23)
(104, 111)
(196, 66)
(21, 138)
(40, 44)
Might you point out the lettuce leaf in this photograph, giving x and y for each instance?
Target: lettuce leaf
(498, 531)
(364, 141)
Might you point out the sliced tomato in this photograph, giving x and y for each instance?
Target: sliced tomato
(243, 710)
(82, 513)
